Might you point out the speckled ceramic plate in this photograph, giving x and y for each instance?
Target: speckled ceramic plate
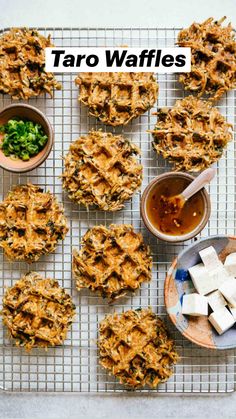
(178, 283)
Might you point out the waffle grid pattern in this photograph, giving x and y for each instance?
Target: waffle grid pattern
(117, 98)
(213, 48)
(31, 223)
(202, 130)
(37, 312)
(136, 348)
(101, 170)
(22, 74)
(112, 261)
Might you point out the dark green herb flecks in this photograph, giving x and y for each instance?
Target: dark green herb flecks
(22, 139)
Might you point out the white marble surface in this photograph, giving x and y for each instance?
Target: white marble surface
(113, 13)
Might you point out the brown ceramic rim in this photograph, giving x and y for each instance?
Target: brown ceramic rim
(48, 145)
(165, 237)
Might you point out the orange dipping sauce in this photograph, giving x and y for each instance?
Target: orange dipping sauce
(172, 220)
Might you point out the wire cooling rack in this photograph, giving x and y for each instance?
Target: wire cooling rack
(74, 367)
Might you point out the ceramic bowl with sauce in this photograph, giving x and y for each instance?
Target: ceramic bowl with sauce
(26, 112)
(191, 219)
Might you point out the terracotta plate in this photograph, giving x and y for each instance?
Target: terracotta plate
(178, 283)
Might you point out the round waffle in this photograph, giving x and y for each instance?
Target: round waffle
(37, 312)
(100, 170)
(31, 223)
(22, 62)
(135, 347)
(116, 98)
(112, 261)
(213, 62)
(192, 134)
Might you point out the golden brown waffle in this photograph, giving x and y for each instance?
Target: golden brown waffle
(22, 62)
(192, 134)
(37, 312)
(100, 170)
(213, 62)
(31, 223)
(135, 347)
(112, 261)
(116, 98)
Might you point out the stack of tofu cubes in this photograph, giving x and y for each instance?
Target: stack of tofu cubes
(215, 284)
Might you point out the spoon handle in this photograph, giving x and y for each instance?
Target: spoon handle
(205, 177)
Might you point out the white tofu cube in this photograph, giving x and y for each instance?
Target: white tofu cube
(221, 320)
(216, 300)
(219, 276)
(233, 311)
(228, 289)
(197, 271)
(230, 264)
(199, 276)
(210, 258)
(202, 281)
(195, 305)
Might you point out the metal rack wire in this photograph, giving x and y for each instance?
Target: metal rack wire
(74, 367)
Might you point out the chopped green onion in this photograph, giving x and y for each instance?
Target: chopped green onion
(22, 139)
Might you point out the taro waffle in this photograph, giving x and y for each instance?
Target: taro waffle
(112, 261)
(37, 312)
(116, 98)
(192, 134)
(22, 64)
(213, 62)
(135, 347)
(31, 223)
(100, 170)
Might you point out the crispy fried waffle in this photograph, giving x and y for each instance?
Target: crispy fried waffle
(37, 312)
(135, 347)
(116, 98)
(31, 223)
(22, 62)
(100, 170)
(112, 261)
(192, 134)
(213, 62)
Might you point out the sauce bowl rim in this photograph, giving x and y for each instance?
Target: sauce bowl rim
(154, 230)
